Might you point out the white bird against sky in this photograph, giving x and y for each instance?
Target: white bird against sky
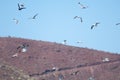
(82, 6)
(94, 25)
(21, 6)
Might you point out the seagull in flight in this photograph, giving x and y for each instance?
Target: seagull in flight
(81, 20)
(21, 6)
(82, 6)
(95, 25)
(117, 23)
(16, 21)
(34, 17)
(79, 42)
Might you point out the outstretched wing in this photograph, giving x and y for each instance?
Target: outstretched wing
(81, 19)
(75, 17)
(18, 6)
(35, 16)
(117, 23)
(92, 26)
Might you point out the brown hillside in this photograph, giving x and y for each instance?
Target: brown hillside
(49, 61)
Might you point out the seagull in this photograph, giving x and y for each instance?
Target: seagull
(95, 25)
(117, 23)
(81, 20)
(16, 21)
(82, 6)
(20, 7)
(34, 17)
(79, 42)
(64, 42)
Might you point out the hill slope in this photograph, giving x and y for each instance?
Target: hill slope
(50, 61)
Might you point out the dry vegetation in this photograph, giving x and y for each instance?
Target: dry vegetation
(8, 72)
(70, 63)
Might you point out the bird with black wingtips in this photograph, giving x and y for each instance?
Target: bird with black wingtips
(21, 6)
(95, 25)
(82, 6)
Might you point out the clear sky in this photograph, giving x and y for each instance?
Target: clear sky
(55, 22)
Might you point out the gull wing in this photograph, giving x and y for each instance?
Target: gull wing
(19, 7)
(35, 16)
(92, 26)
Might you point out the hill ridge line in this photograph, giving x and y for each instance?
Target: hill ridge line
(71, 68)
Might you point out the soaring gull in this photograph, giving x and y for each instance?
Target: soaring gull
(95, 25)
(21, 6)
(82, 6)
(34, 17)
(81, 20)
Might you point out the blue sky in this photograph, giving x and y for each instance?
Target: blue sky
(55, 22)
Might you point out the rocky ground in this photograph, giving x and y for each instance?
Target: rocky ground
(54, 61)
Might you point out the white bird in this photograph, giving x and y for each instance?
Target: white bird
(16, 21)
(95, 25)
(106, 60)
(21, 6)
(82, 6)
(81, 20)
(15, 55)
(79, 42)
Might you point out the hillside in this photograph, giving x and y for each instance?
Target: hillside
(53, 61)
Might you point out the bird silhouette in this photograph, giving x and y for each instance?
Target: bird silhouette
(21, 6)
(79, 42)
(95, 25)
(34, 17)
(117, 24)
(81, 20)
(16, 21)
(82, 6)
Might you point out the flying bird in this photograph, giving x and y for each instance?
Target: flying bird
(16, 21)
(21, 6)
(95, 25)
(82, 6)
(34, 17)
(79, 42)
(117, 23)
(81, 20)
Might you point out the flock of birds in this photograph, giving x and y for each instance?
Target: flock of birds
(81, 19)
(21, 7)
